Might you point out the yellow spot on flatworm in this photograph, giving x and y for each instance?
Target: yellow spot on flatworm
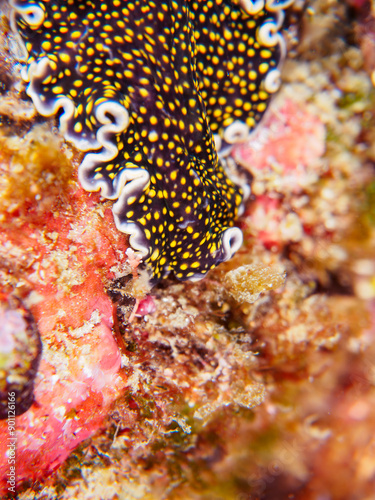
(155, 254)
(78, 127)
(153, 136)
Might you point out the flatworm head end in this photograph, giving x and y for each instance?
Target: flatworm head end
(148, 90)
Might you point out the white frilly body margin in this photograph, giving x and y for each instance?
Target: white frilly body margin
(255, 6)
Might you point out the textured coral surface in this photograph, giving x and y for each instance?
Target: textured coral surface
(255, 383)
(56, 251)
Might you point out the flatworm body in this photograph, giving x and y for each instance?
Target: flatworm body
(149, 90)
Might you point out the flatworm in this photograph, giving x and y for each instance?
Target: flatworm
(149, 90)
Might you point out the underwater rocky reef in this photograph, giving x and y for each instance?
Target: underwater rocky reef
(255, 382)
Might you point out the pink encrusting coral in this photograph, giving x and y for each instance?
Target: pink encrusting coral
(60, 259)
(283, 152)
(284, 156)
